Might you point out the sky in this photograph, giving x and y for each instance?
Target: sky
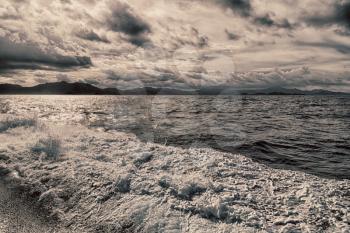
(243, 44)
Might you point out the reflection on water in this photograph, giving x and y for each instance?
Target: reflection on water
(310, 133)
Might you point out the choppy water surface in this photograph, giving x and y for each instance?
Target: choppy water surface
(308, 133)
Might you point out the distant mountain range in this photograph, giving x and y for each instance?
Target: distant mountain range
(64, 88)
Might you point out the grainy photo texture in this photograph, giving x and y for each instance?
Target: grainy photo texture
(174, 116)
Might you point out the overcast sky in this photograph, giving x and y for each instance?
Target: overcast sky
(177, 43)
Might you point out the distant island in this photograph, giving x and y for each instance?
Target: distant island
(78, 88)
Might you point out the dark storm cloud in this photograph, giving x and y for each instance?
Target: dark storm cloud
(243, 7)
(340, 15)
(265, 20)
(5, 66)
(91, 36)
(342, 48)
(123, 19)
(29, 56)
(139, 40)
(269, 22)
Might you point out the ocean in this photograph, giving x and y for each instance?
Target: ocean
(307, 133)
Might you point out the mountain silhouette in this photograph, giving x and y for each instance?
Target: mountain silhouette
(77, 88)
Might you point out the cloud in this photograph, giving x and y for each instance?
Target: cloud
(343, 13)
(200, 40)
(176, 43)
(158, 77)
(90, 35)
(247, 9)
(267, 21)
(123, 19)
(339, 15)
(302, 77)
(231, 35)
(63, 77)
(243, 7)
(329, 44)
(16, 55)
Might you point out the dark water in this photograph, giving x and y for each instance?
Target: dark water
(308, 133)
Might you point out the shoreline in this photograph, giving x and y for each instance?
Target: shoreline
(17, 214)
(113, 182)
